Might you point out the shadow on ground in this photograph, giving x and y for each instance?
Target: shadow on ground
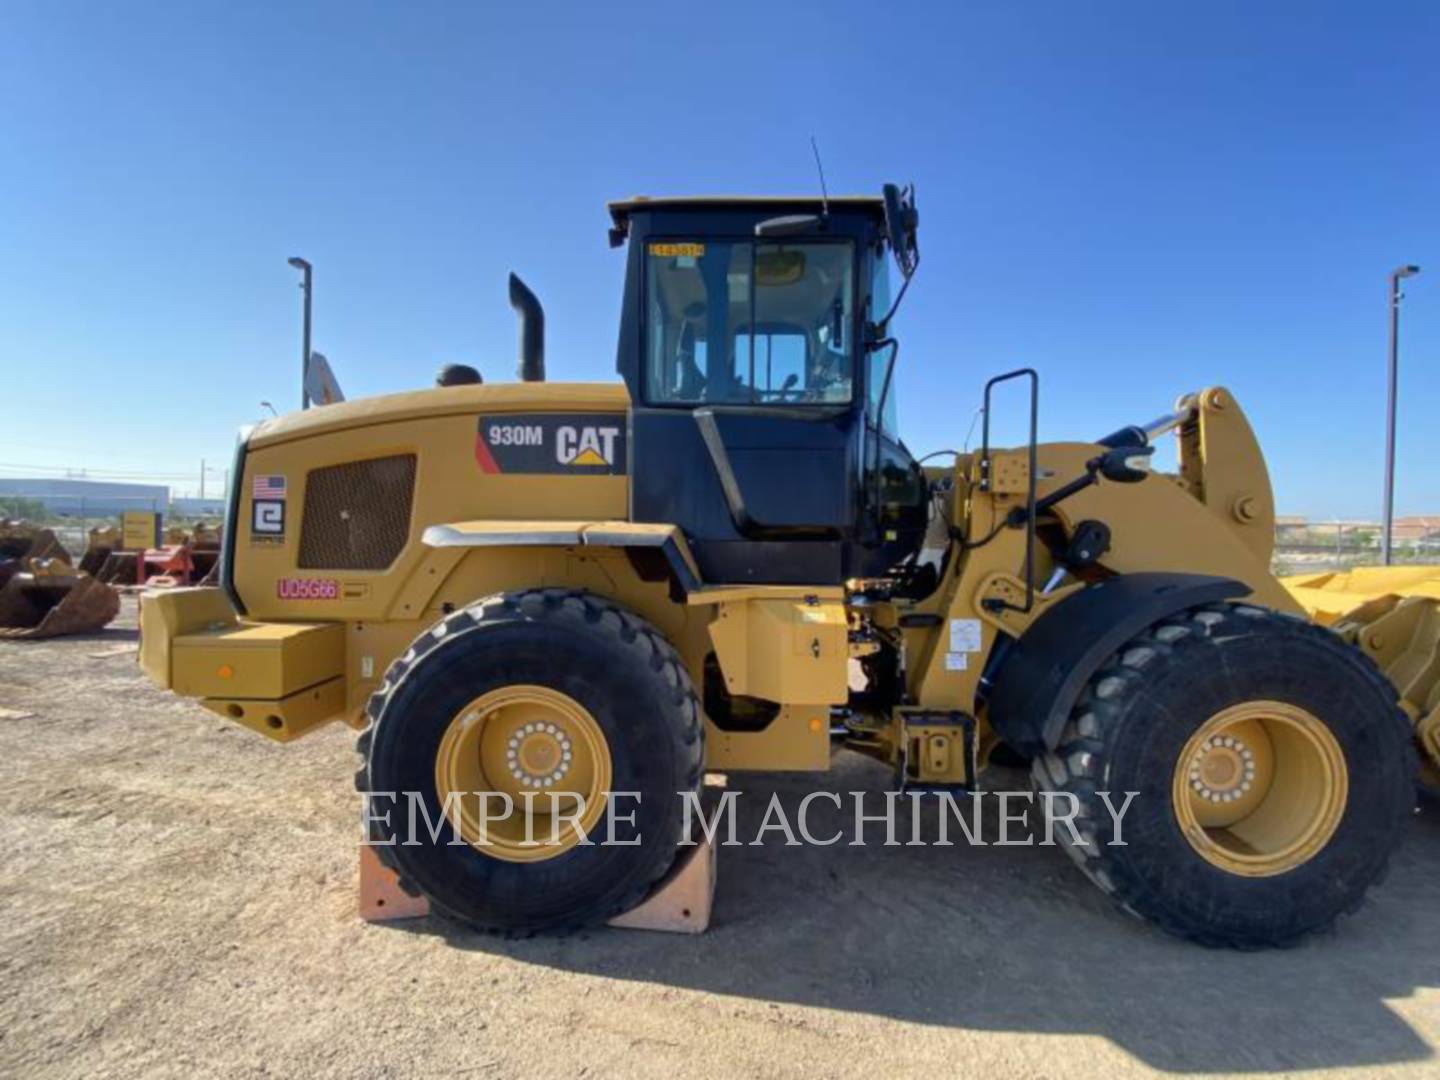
(1016, 939)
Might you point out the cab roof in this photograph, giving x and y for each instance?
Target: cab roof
(871, 205)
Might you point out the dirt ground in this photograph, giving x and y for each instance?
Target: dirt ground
(178, 897)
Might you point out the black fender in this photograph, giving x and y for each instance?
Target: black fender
(1041, 676)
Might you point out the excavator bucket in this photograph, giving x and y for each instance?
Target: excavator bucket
(50, 598)
(102, 541)
(1391, 613)
(119, 568)
(20, 540)
(41, 594)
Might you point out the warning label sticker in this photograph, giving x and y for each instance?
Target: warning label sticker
(965, 636)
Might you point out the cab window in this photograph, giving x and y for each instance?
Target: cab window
(749, 323)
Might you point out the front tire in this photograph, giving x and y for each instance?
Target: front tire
(512, 695)
(1273, 776)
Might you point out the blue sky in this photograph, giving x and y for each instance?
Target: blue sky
(1138, 199)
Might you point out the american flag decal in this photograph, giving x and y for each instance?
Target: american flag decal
(269, 487)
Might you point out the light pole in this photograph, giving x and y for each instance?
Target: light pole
(306, 271)
(1396, 296)
(203, 470)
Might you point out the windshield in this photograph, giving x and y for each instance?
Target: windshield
(749, 323)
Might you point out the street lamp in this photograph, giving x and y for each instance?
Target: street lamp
(306, 270)
(1396, 296)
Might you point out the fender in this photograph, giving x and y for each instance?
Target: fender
(1041, 676)
(636, 540)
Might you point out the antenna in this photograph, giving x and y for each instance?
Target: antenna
(824, 193)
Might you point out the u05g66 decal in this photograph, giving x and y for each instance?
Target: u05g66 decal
(554, 443)
(307, 589)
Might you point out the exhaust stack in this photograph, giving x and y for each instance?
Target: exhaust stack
(532, 331)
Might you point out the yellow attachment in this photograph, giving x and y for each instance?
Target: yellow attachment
(1337, 596)
(1391, 613)
(1260, 788)
(523, 772)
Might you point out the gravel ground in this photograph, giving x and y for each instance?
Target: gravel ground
(178, 896)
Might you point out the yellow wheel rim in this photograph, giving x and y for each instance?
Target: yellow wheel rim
(1260, 788)
(537, 748)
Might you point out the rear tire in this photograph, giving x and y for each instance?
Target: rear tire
(622, 683)
(1312, 830)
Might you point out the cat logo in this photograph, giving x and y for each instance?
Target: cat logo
(551, 444)
(586, 446)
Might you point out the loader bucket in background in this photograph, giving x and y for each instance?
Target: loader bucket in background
(102, 541)
(118, 568)
(20, 541)
(49, 598)
(1392, 614)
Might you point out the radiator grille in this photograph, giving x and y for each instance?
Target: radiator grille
(357, 515)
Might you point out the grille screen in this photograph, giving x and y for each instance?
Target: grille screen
(357, 515)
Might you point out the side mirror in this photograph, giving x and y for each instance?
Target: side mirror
(1126, 464)
(901, 223)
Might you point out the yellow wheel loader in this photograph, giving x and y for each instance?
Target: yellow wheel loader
(538, 601)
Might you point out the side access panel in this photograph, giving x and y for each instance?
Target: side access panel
(792, 650)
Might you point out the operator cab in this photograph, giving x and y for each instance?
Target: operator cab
(763, 417)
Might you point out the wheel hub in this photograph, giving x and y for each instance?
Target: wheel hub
(516, 766)
(1223, 769)
(539, 755)
(1260, 788)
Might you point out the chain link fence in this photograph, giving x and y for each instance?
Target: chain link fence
(71, 517)
(1310, 546)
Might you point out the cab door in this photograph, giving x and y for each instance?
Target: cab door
(748, 431)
